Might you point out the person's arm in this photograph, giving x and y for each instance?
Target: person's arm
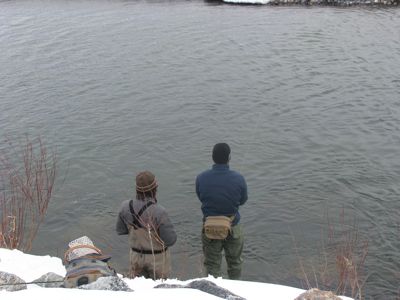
(166, 230)
(197, 187)
(121, 226)
(243, 192)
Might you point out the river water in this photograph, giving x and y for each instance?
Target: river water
(308, 99)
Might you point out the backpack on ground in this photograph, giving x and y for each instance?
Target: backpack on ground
(85, 263)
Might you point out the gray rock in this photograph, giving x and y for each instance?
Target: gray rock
(169, 286)
(342, 3)
(206, 287)
(109, 283)
(10, 282)
(316, 294)
(213, 289)
(50, 280)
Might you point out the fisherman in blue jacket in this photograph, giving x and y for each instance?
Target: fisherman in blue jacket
(221, 192)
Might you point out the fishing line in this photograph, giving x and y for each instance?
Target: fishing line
(32, 282)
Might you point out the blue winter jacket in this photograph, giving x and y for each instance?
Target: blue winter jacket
(221, 192)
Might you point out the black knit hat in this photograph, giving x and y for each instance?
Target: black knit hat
(221, 152)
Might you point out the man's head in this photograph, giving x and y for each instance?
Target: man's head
(146, 185)
(221, 153)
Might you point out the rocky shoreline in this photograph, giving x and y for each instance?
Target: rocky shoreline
(12, 283)
(43, 277)
(338, 3)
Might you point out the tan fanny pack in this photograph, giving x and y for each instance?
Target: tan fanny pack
(217, 227)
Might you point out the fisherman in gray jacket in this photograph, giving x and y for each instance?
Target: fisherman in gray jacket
(149, 229)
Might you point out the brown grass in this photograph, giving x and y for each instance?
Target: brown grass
(27, 176)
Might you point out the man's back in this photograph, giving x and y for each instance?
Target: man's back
(221, 191)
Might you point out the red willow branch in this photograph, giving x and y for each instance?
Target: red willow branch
(27, 184)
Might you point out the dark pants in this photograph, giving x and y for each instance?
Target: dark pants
(233, 247)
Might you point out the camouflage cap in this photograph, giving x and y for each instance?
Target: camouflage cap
(145, 182)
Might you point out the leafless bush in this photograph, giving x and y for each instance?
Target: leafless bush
(351, 251)
(27, 176)
(340, 267)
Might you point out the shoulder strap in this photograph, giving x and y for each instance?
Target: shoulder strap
(136, 216)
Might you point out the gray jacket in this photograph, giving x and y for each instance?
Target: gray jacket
(155, 215)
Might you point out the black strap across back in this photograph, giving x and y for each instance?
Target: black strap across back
(137, 224)
(136, 216)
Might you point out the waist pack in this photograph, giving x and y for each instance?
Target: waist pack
(217, 227)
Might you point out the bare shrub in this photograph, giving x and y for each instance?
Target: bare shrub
(27, 177)
(351, 252)
(340, 267)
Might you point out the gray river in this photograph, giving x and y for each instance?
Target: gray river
(308, 99)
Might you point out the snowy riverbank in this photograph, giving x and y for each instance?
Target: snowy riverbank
(31, 267)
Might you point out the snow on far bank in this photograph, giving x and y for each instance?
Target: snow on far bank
(31, 267)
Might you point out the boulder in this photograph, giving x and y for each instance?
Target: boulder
(10, 282)
(316, 294)
(213, 289)
(169, 286)
(206, 287)
(50, 280)
(109, 283)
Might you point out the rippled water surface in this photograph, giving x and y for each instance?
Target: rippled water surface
(308, 99)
